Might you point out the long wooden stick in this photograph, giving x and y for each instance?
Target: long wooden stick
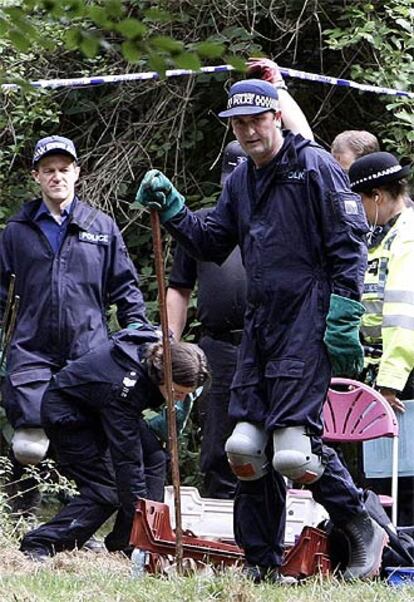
(9, 318)
(172, 424)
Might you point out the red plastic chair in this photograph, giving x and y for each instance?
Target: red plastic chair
(354, 411)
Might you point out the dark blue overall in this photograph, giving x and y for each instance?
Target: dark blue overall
(302, 237)
(64, 296)
(92, 415)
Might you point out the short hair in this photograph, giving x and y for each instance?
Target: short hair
(360, 142)
(189, 364)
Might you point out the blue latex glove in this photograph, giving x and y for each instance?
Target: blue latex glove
(342, 336)
(157, 192)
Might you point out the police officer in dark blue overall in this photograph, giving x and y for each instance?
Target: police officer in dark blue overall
(70, 264)
(302, 237)
(92, 413)
(221, 302)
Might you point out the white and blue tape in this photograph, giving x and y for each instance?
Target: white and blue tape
(79, 82)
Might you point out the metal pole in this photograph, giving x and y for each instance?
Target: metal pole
(172, 424)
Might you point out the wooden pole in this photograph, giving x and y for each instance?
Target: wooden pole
(172, 423)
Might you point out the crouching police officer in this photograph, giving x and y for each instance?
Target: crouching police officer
(302, 237)
(92, 414)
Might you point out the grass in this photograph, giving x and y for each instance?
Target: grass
(87, 576)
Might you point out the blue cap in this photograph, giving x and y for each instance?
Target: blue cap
(53, 145)
(251, 97)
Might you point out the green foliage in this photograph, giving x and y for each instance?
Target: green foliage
(44, 477)
(377, 39)
(97, 26)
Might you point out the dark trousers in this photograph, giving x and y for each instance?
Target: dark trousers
(105, 454)
(259, 512)
(217, 426)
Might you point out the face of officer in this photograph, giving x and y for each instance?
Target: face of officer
(57, 176)
(180, 392)
(259, 135)
(381, 206)
(345, 158)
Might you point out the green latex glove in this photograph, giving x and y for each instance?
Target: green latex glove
(157, 192)
(342, 336)
(135, 325)
(158, 424)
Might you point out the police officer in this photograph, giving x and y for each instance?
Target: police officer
(302, 237)
(221, 303)
(387, 326)
(350, 145)
(70, 263)
(92, 413)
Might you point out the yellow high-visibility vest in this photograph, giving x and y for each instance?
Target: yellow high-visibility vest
(389, 303)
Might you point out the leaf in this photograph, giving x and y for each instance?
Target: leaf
(114, 8)
(405, 116)
(210, 49)
(76, 8)
(157, 63)
(4, 26)
(158, 15)
(130, 51)
(238, 62)
(19, 40)
(167, 44)
(98, 15)
(89, 45)
(405, 25)
(131, 28)
(187, 60)
(73, 38)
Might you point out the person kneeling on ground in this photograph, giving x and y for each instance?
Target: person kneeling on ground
(92, 414)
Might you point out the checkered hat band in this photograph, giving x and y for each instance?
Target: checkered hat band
(378, 174)
(249, 99)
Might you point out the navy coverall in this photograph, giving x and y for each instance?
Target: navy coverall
(302, 237)
(221, 302)
(92, 414)
(63, 298)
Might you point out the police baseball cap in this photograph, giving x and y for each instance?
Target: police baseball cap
(251, 97)
(53, 145)
(233, 155)
(376, 169)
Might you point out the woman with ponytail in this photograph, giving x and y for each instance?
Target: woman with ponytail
(92, 413)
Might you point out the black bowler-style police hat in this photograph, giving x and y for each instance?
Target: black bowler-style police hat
(376, 169)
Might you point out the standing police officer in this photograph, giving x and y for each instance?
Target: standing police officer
(302, 237)
(221, 303)
(70, 263)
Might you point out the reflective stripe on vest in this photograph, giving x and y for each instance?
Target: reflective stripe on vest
(374, 289)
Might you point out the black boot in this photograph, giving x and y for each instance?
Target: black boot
(260, 574)
(366, 541)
